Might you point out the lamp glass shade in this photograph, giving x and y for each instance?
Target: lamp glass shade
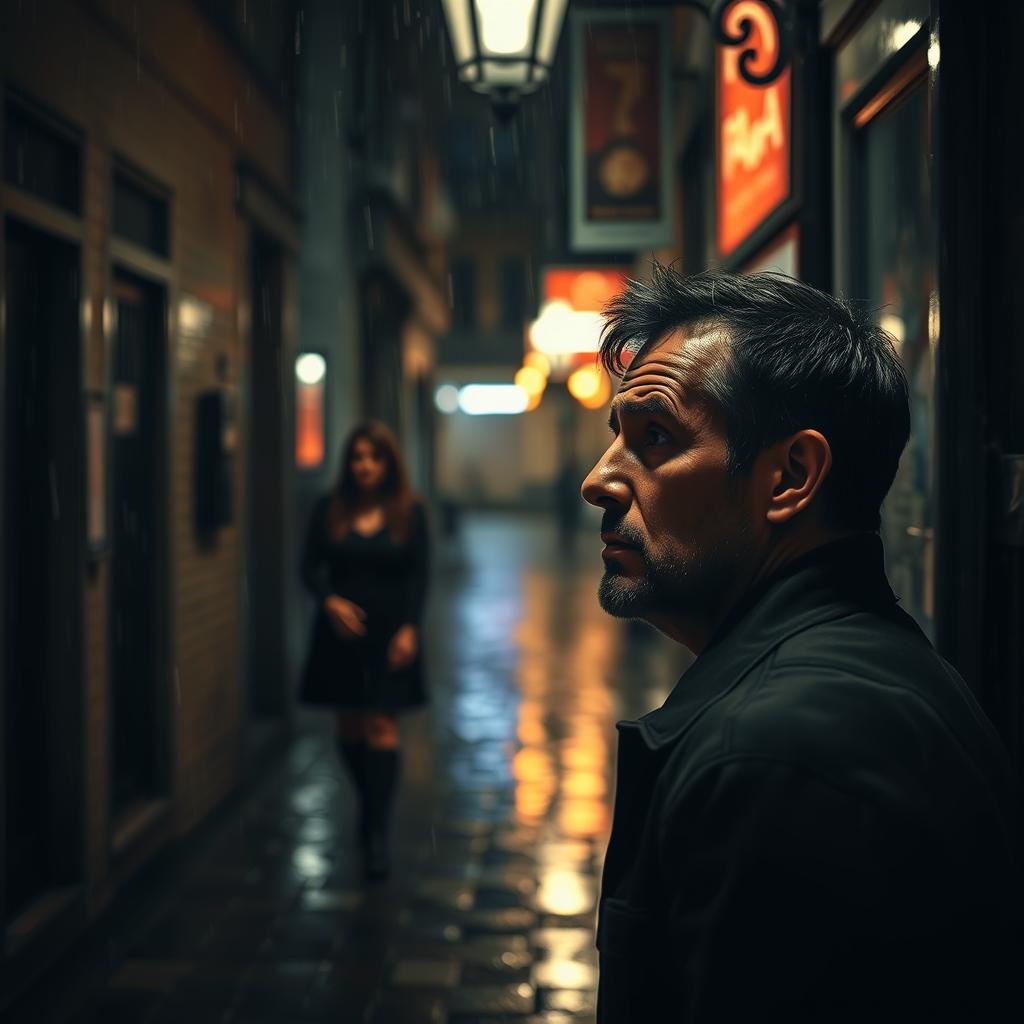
(504, 46)
(460, 29)
(506, 27)
(502, 74)
(547, 37)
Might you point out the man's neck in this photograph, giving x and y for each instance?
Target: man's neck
(696, 634)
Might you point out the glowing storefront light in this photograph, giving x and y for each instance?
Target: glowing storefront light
(310, 373)
(310, 368)
(562, 330)
(590, 386)
(446, 398)
(538, 361)
(493, 399)
(531, 380)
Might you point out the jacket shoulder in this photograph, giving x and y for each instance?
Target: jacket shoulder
(865, 702)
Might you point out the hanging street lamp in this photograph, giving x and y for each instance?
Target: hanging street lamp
(504, 48)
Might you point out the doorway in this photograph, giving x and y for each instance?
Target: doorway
(137, 453)
(265, 556)
(42, 558)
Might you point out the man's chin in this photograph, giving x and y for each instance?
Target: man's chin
(622, 596)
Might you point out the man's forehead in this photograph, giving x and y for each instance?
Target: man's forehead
(677, 361)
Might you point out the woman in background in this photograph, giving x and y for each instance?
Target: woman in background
(365, 562)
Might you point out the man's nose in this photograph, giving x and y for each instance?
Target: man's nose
(604, 489)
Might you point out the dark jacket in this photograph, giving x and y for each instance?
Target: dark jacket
(815, 827)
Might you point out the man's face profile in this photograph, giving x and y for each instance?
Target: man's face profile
(676, 525)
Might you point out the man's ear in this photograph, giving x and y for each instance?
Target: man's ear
(798, 468)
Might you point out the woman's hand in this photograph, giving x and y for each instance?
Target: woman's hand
(403, 647)
(345, 617)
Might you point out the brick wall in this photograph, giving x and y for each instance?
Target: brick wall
(154, 84)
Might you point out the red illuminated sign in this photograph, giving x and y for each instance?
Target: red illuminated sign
(584, 288)
(753, 131)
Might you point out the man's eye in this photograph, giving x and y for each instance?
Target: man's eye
(655, 435)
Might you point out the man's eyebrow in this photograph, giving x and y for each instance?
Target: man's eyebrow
(652, 406)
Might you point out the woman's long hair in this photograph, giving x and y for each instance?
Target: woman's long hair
(396, 494)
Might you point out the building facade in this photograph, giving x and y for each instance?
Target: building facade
(148, 248)
(194, 196)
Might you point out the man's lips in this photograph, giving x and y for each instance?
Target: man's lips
(617, 542)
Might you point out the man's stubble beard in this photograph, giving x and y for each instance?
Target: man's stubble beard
(679, 583)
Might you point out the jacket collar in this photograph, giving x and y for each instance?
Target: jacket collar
(828, 583)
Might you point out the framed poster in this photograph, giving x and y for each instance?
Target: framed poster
(620, 187)
(96, 474)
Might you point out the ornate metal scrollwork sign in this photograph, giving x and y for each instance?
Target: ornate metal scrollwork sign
(733, 23)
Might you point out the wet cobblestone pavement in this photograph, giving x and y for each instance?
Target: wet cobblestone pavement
(501, 823)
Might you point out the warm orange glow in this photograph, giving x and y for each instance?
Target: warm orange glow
(588, 785)
(538, 361)
(584, 817)
(590, 386)
(309, 425)
(584, 288)
(530, 732)
(531, 380)
(533, 771)
(563, 777)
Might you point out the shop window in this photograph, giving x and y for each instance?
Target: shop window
(893, 271)
(41, 158)
(141, 214)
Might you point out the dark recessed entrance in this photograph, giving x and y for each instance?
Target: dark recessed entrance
(43, 544)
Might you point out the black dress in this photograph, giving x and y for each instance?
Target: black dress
(389, 582)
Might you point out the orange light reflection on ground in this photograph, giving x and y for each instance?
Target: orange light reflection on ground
(562, 772)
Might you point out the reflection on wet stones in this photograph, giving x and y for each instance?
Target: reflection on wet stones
(493, 999)
(508, 919)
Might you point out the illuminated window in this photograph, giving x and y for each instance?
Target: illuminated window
(310, 374)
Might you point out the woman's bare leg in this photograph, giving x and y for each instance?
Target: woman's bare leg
(381, 730)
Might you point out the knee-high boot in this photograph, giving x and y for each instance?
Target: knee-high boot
(353, 757)
(381, 778)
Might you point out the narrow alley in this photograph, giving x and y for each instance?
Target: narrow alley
(502, 820)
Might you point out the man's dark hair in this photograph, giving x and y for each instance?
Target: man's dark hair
(794, 358)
